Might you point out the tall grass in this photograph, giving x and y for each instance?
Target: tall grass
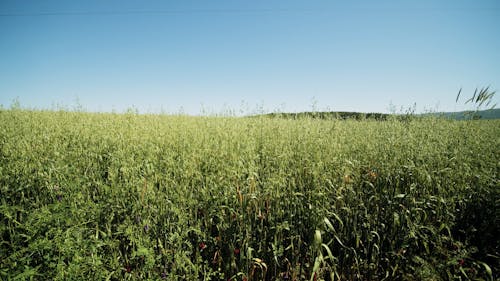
(145, 197)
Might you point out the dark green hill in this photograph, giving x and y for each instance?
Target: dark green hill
(331, 115)
(343, 115)
(463, 115)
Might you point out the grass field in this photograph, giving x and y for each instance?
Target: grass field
(89, 196)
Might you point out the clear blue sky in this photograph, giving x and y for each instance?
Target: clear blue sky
(244, 55)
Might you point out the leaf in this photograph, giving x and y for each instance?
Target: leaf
(328, 251)
(463, 272)
(142, 251)
(329, 224)
(488, 270)
(317, 263)
(340, 242)
(317, 237)
(339, 220)
(458, 95)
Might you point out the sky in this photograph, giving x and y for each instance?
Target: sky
(242, 57)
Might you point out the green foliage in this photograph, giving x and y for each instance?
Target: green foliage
(87, 196)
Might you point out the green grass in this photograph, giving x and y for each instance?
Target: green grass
(87, 196)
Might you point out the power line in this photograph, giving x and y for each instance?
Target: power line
(189, 11)
(156, 12)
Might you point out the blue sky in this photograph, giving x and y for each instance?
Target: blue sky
(247, 56)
